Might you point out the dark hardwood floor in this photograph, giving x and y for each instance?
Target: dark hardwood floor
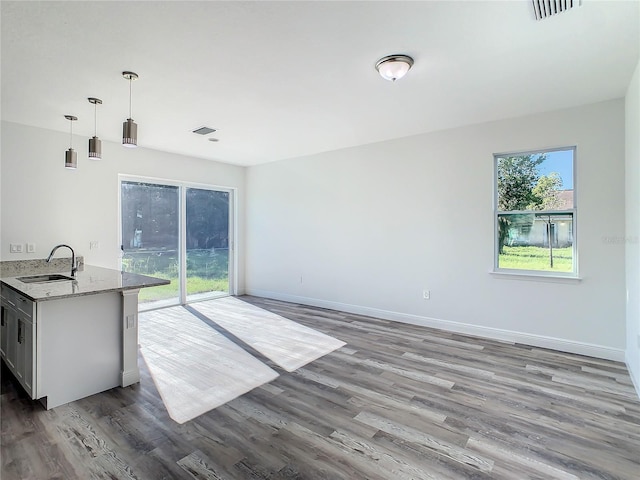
(397, 402)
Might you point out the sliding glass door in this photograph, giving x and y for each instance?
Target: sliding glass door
(151, 238)
(207, 243)
(178, 232)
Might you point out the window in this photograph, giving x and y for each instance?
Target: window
(535, 212)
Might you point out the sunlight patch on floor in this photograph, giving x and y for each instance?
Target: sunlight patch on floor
(195, 368)
(283, 341)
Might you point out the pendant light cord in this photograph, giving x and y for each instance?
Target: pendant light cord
(130, 80)
(71, 134)
(95, 119)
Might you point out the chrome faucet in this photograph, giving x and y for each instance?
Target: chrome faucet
(74, 267)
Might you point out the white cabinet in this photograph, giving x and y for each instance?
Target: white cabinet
(18, 338)
(28, 352)
(24, 354)
(11, 319)
(3, 333)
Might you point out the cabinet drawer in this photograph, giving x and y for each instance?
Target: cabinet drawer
(25, 306)
(18, 301)
(8, 295)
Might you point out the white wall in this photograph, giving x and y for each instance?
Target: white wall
(632, 141)
(44, 203)
(367, 229)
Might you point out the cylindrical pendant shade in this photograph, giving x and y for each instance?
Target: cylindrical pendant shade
(129, 134)
(71, 158)
(95, 148)
(95, 145)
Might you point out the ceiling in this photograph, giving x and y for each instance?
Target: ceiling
(288, 79)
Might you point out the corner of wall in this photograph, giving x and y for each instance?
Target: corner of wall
(632, 227)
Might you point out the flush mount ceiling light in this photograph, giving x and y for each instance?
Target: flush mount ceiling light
(95, 145)
(129, 127)
(71, 156)
(393, 67)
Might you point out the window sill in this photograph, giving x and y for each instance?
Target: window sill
(535, 277)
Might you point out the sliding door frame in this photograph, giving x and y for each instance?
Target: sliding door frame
(182, 213)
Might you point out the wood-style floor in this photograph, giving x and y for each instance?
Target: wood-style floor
(397, 402)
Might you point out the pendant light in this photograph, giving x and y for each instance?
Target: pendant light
(129, 127)
(95, 144)
(71, 156)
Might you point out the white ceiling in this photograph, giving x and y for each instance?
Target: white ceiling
(287, 79)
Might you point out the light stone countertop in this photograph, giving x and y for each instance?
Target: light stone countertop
(90, 281)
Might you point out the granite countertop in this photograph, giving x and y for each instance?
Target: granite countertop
(90, 281)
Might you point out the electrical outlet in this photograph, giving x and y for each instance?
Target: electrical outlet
(94, 245)
(15, 248)
(300, 279)
(31, 248)
(426, 294)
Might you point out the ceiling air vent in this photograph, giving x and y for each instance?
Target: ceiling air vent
(546, 8)
(204, 130)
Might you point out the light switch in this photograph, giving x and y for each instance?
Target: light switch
(31, 248)
(15, 248)
(131, 321)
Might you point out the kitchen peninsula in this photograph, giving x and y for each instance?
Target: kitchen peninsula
(69, 338)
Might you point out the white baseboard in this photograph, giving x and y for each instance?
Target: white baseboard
(559, 344)
(632, 371)
(129, 378)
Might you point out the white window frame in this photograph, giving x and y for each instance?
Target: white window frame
(535, 273)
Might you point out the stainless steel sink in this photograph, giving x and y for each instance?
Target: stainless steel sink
(53, 277)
